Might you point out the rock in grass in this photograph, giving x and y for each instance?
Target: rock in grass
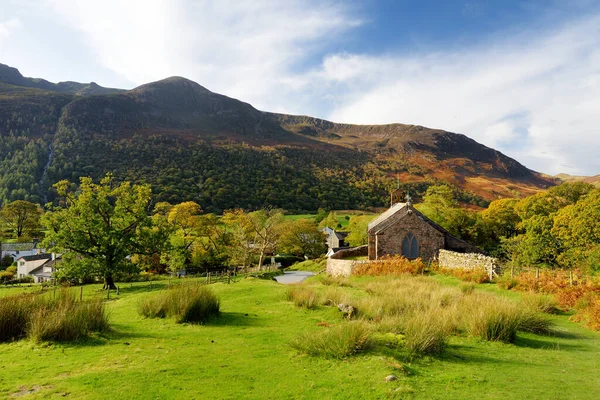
(391, 378)
(348, 310)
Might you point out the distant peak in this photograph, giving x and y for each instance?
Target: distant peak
(176, 82)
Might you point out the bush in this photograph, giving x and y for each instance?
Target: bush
(187, 303)
(390, 265)
(336, 342)
(303, 297)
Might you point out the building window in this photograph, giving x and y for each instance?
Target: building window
(410, 247)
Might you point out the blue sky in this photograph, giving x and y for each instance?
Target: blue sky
(520, 76)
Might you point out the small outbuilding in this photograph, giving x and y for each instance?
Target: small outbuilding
(403, 230)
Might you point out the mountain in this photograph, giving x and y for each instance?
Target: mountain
(594, 180)
(12, 76)
(192, 144)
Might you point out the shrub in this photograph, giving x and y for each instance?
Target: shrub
(186, 303)
(303, 297)
(339, 341)
(588, 310)
(426, 332)
(390, 265)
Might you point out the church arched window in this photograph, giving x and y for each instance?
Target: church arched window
(410, 246)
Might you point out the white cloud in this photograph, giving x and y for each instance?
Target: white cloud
(7, 27)
(551, 84)
(245, 49)
(534, 95)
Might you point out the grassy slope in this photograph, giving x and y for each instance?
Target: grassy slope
(239, 356)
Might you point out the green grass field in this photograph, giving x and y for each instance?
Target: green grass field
(245, 353)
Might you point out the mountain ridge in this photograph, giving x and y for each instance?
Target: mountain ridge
(258, 158)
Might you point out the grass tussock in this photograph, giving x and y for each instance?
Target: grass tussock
(303, 297)
(15, 312)
(427, 333)
(541, 302)
(339, 341)
(186, 303)
(333, 296)
(498, 319)
(42, 318)
(391, 265)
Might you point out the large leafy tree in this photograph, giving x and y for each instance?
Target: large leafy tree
(21, 218)
(103, 224)
(302, 238)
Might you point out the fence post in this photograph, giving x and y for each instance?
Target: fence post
(81, 293)
(537, 273)
(571, 278)
(108, 294)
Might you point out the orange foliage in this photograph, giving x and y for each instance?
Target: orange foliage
(390, 265)
(583, 294)
(478, 275)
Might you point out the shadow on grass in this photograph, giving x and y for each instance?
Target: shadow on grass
(546, 343)
(236, 319)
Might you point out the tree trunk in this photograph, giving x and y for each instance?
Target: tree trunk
(109, 283)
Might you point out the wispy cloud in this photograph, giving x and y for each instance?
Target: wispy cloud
(534, 94)
(8, 26)
(246, 49)
(537, 100)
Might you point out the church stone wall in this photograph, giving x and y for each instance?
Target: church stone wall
(389, 241)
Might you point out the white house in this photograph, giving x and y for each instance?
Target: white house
(39, 266)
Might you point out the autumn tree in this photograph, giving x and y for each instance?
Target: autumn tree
(254, 233)
(577, 226)
(21, 218)
(103, 224)
(302, 238)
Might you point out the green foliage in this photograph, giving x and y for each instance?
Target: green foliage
(21, 218)
(358, 226)
(301, 238)
(186, 303)
(103, 224)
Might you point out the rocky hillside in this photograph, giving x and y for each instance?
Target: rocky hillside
(192, 144)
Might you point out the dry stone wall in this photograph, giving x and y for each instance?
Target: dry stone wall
(338, 266)
(469, 261)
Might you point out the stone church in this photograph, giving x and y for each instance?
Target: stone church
(403, 230)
